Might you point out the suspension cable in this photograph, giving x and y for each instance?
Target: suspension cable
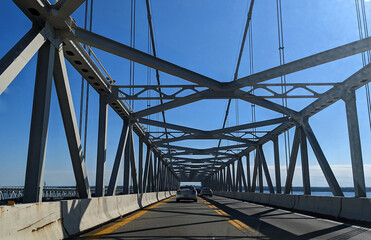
(363, 33)
(149, 77)
(152, 37)
(132, 44)
(82, 78)
(87, 85)
(251, 67)
(281, 49)
(248, 20)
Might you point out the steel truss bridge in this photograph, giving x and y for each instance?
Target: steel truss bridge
(55, 38)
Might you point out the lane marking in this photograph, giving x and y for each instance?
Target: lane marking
(126, 220)
(234, 222)
(243, 225)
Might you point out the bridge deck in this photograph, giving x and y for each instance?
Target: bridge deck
(218, 217)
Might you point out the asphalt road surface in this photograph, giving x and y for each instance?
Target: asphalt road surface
(223, 218)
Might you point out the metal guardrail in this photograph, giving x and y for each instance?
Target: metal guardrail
(11, 193)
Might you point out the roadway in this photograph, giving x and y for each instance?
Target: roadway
(223, 218)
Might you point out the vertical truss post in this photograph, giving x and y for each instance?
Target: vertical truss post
(260, 173)
(127, 160)
(159, 174)
(229, 179)
(70, 124)
(146, 169)
(242, 175)
(293, 158)
(265, 168)
(355, 144)
(248, 172)
(152, 173)
(277, 167)
(238, 185)
(326, 169)
(102, 146)
(222, 183)
(304, 162)
(155, 173)
(111, 191)
(234, 187)
(140, 172)
(133, 168)
(33, 187)
(255, 173)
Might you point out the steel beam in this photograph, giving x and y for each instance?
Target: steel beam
(304, 162)
(134, 175)
(326, 169)
(250, 125)
(102, 146)
(146, 169)
(358, 79)
(304, 63)
(255, 173)
(33, 187)
(15, 60)
(70, 124)
(265, 168)
(135, 55)
(127, 157)
(111, 191)
(293, 158)
(170, 126)
(205, 136)
(248, 174)
(64, 8)
(140, 166)
(277, 166)
(355, 144)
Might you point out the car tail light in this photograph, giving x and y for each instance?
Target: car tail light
(178, 191)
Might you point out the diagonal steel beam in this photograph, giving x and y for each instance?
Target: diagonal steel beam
(70, 125)
(15, 60)
(118, 159)
(170, 126)
(250, 125)
(122, 50)
(304, 63)
(323, 163)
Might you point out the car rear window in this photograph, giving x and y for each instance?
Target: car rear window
(186, 187)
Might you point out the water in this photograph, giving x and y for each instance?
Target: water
(346, 194)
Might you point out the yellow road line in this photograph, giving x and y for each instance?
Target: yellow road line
(243, 225)
(115, 226)
(236, 225)
(235, 222)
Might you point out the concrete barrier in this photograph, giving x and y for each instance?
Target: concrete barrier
(59, 220)
(329, 206)
(31, 221)
(358, 209)
(282, 200)
(355, 209)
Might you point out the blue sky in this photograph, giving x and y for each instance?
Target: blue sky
(203, 36)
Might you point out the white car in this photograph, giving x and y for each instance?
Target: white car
(206, 191)
(186, 193)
